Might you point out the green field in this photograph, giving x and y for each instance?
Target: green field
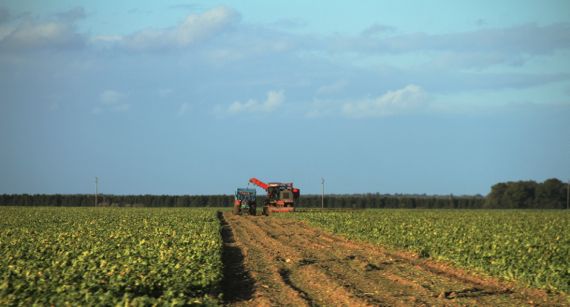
(144, 256)
(107, 256)
(532, 247)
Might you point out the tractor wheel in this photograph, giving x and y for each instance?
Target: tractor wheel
(253, 209)
(237, 210)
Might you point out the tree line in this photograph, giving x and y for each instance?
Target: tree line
(551, 194)
(356, 201)
(106, 200)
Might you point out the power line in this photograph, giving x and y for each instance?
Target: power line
(323, 193)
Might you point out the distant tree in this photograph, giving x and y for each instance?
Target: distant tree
(550, 194)
(520, 194)
(497, 195)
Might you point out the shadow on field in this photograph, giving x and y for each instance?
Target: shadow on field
(237, 284)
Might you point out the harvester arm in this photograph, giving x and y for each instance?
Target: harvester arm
(259, 183)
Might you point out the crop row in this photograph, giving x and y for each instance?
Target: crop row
(106, 256)
(532, 247)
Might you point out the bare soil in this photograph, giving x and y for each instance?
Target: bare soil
(270, 261)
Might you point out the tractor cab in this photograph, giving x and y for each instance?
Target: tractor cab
(281, 197)
(282, 192)
(245, 201)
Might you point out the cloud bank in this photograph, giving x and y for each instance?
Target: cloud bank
(273, 101)
(35, 35)
(326, 75)
(111, 100)
(407, 99)
(193, 29)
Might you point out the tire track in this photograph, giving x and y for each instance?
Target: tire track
(237, 283)
(306, 282)
(270, 289)
(294, 264)
(381, 278)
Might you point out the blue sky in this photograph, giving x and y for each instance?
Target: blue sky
(176, 97)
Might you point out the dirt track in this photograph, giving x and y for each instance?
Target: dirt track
(273, 262)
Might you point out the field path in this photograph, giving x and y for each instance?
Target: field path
(278, 262)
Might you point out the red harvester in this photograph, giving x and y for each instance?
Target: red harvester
(281, 197)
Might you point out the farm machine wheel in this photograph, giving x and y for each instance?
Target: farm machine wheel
(253, 209)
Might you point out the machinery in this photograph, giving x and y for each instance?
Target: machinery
(244, 201)
(281, 197)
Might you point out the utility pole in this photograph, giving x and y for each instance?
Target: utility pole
(568, 195)
(96, 189)
(323, 193)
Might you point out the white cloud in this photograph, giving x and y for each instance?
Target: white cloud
(404, 100)
(32, 35)
(110, 97)
(112, 100)
(273, 101)
(29, 33)
(194, 28)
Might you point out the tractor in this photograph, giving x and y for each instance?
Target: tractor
(281, 197)
(244, 202)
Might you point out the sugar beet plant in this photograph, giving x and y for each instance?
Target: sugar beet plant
(106, 256)
(532, 247)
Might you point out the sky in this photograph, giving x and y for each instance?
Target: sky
(174, 97)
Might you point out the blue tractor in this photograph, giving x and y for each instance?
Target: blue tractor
(244, 202)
